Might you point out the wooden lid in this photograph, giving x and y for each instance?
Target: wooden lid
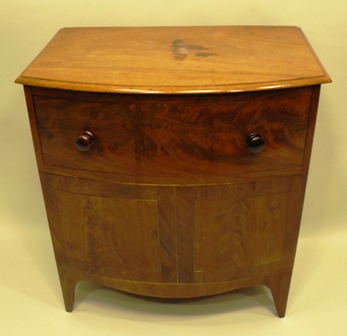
(176, 60)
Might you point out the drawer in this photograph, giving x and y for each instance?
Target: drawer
(169, 138)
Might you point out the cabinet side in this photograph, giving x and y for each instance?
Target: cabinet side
(33, 125)
(312, 116)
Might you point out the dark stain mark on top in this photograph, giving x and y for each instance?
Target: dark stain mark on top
(181, 50)
(204, 54)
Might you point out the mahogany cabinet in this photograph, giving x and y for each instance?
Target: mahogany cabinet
(173, 160)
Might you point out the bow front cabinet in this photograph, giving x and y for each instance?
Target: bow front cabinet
(173, 160)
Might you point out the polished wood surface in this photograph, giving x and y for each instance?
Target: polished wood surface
(167, 139)
(176, 60)
(217, 235)
(174, 195)
(162, 222)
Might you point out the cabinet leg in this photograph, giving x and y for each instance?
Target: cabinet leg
(68, 286)
(279, 286)
(69, 297)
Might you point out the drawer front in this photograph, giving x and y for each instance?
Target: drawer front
(166, 138)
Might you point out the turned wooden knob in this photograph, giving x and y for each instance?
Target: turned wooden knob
(85, 141)
(255, 143)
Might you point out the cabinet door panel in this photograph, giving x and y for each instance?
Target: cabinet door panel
(236, 231)
(108, 229)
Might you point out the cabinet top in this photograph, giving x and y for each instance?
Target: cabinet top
(211, 59)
